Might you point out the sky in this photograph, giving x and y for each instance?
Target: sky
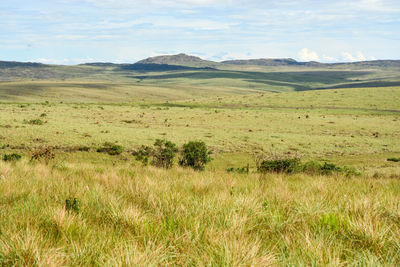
(125, 31)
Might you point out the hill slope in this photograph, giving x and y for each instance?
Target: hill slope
(180, 59)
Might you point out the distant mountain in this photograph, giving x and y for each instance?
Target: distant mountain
(180, 60)
(152, 67)
(100, 64)
(14, 64)
(273, 62)
(371, 63)
(264, 62)
(292, 62)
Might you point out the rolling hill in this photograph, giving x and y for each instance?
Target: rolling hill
(179, 77)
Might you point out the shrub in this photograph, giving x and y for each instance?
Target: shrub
(244, 169)
(35, 122)
(195, 154)
(11, 157)
(111, 149)
(46, 154)
(394, 159)
(294, 165)
(162, 154)
(288, 165)
(143, 154)
(313, 167)
(72, 205)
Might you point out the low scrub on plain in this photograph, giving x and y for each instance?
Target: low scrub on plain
(44, 154)
(295, 165)
(11, 157)
(162, 154)
(111, 149)
(195, 154)
(34, 122)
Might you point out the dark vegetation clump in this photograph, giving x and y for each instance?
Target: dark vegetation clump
(35, 122)
(313, 167)
(72, 205)
(295, 165)
(244, 169)
(83, 148)
(143, 154)
(111, 149)
(394, 159)
(288, 165)
(11, 157)
(43, 154)
(195, 154)
(162, 154)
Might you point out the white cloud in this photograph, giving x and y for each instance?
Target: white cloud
(306, 55)
(357, 57)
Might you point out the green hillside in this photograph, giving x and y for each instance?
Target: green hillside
(180, 77)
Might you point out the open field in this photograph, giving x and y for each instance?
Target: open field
(326, 124)
(129, 214)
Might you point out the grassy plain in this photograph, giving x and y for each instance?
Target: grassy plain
(130, 215)
(135, 215)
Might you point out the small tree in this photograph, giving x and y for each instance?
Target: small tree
(164, 153)
(195, 154)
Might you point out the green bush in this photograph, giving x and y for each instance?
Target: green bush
(294, 165)
(111, 149)
(288, 165)
(394, 159)
(11, 157)
(244, 169)
(162, 154)
(72, 205)
(195, 154)
(313, 167)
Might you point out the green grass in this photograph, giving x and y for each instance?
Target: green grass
(84, 208)
(315, 124)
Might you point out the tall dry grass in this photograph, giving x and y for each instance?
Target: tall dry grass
(143, 216)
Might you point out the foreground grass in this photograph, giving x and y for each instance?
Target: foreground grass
(133, 215)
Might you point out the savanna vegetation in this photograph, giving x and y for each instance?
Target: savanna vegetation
(197, 168)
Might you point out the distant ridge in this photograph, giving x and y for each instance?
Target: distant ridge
(197, 62)
(180, 60)
(263, 62)
(292, 62)
(13, 64)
